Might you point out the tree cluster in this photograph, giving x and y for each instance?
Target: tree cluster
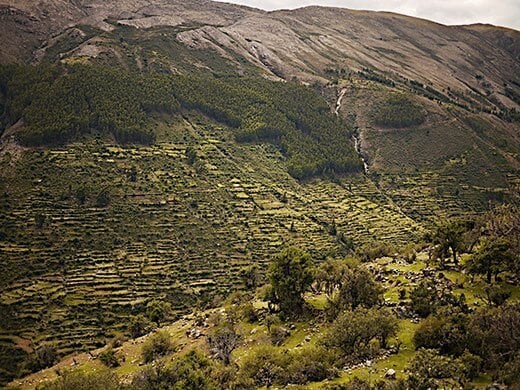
(60, 103)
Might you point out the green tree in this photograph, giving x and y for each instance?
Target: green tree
(139, 325)
(353, 330)
(430, 370)
(330, 275)
(192, 371)
(448, 235)
(290, 276)
(493, 257)
(358, 289)
(108, 358)
(157, 311)
(445, 332)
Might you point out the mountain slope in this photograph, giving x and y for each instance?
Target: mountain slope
(96, 227)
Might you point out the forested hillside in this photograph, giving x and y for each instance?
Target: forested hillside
(159, 158)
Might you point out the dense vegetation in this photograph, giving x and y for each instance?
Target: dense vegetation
(398, 110)
(60, 103)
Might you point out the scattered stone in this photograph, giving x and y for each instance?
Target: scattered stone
(390, 374)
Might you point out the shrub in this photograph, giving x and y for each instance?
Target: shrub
(311, 364)
(157, 346)
(46, 355)
(447, 333)
(429, 369)
(139, 326)
(265, 366)
(358, 289)
(108, 358)
(157, 311)
(268, 366)
(353, 331)
(223, 340)
(192, 371)
(372, 251)
(509, 374)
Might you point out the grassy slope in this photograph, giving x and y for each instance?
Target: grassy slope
(453, 161)
(255, 334)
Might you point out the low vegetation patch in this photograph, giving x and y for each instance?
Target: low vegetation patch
(398, 111)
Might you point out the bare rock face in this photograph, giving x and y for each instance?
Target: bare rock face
(288, 43)
(25, 24)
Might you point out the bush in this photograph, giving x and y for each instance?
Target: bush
(311, 364)
(447, 333)
(268, 366)
(139, 326)
(265, 366)
(108, 358)
(429, 369)
(429, 296)
(248, 312)
(192, 371)
(157, 346)
(353, 331)
(495, 334)
(157, 311)
(509, 374)
(372, 251)
(223, 340)
(358, 289)
(46, 355)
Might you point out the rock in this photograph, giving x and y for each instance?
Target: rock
(292, 326)
(390, 374)
(307, 339)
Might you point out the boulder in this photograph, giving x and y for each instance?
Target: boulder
(390, 374)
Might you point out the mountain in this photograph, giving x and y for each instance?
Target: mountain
(154, 149)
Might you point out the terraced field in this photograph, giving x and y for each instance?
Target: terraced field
(77, 264)
(177, 221)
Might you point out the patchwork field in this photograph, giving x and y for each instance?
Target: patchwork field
(81, 255)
